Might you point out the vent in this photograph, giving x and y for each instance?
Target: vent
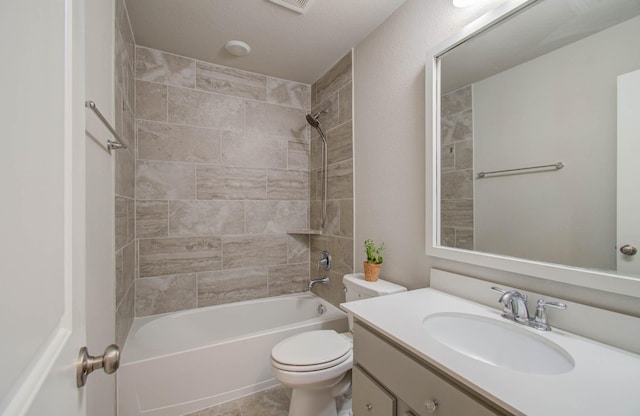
(300, 6)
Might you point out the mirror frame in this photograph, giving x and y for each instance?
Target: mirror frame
(589, 278)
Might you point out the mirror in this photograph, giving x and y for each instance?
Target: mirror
(534, 123)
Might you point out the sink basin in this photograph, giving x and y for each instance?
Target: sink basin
(501, 344)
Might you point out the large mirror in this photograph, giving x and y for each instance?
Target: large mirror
(536, 122)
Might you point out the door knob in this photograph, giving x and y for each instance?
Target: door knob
(87, 364)
(628, 250)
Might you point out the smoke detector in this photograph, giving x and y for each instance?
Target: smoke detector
(237, 48)
(299, 6)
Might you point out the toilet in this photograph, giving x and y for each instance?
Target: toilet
(316, 365)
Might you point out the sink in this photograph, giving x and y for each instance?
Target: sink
(501, 344)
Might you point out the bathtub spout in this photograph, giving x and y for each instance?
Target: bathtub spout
(324, 281)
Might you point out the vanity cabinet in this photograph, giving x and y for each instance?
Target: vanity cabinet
(385, 378)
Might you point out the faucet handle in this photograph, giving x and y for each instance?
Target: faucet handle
(498, 289)
(540, 320)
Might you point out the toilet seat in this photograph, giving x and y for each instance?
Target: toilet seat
(311, 351)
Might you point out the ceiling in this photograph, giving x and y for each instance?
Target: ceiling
(284, 44)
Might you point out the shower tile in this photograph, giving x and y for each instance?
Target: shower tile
(297, 248)
(464, 238)
(314, 94)
(125, 312)
(131, 220)
(456, 101)
(152, 219)
(276, 120)
(230, 81)
(341, 250)
(119, 268)
(340, 178)
(464, 155)
(457, 127)
(340, 143)
(336, 78)
(448, 236)
(221, 182)
(165, 180)
(345, 101)
(331, 118)
(319, 243)
(457, 184)
(287, 184)
(202, 218)
(298, 153)
(316, 153)
(253, 150)
(456, 213)
(332, 227)
(170, 142)
(125, 168)
(315, 214)
(128, 129)
(275, 217)
(293, 94)
(157, 66)
(203, 109)
(289, 278)
(151, 101)
(447, 157)
(333, 291)
(120, 222)
(162, 294)
(165, 256)
(346, 218)
(250, 251)
(215, 288)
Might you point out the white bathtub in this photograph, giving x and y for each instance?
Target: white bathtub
(180, 362)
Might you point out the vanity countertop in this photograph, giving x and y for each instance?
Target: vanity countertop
(604, 381)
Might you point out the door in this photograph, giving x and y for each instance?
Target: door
(43, 212)
(57, 211)
(628, 204)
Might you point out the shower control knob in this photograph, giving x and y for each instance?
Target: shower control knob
(628, 250)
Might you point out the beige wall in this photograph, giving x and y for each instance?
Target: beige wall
(389, 142)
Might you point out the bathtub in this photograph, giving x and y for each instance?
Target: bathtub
(180, 362)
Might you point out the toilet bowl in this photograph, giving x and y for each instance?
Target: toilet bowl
(316, 364)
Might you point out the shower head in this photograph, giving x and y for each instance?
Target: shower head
(314, 120)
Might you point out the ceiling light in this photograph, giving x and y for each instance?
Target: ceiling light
(237, 48)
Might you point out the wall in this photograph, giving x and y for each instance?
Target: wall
(125, 246)
(389, 141)
(222, 172)
(516, 124)
(456, 161)
(333, 91)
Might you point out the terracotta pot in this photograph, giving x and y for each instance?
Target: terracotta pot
(371, 271)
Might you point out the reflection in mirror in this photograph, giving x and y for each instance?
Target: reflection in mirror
(555, 87)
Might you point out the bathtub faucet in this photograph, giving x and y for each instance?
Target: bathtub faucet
(323, 281)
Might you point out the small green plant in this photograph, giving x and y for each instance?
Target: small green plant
(374, 254)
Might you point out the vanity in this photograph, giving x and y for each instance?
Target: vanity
(427, 352)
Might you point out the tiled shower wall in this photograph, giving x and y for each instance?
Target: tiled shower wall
(456, 209)
(125, 246)
(333, 91)
(222, 172)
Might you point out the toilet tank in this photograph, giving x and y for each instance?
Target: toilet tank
(356, 288)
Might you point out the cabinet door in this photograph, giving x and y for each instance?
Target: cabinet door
(369, 398)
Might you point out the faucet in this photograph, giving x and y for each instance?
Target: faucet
(313, 282)
(515, 306)
(515, 309)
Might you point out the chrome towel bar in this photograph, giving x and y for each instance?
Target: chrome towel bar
(557, 166)
(111, 145)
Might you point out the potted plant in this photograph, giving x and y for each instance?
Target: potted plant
(374, 260)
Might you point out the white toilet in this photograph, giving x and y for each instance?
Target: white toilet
(316, 364)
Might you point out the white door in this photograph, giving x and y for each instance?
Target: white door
(46, 217)
(628, 211)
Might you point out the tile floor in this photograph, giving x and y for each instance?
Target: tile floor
(270, 402)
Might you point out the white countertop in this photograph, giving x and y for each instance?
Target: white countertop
(604, 381)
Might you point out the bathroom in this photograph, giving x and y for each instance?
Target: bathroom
(385, 199)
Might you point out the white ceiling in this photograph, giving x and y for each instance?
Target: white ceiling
(284, 44)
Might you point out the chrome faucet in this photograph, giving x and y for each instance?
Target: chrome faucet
(313, 282)
(515, 309)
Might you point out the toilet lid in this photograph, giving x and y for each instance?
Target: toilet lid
(311, 348)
